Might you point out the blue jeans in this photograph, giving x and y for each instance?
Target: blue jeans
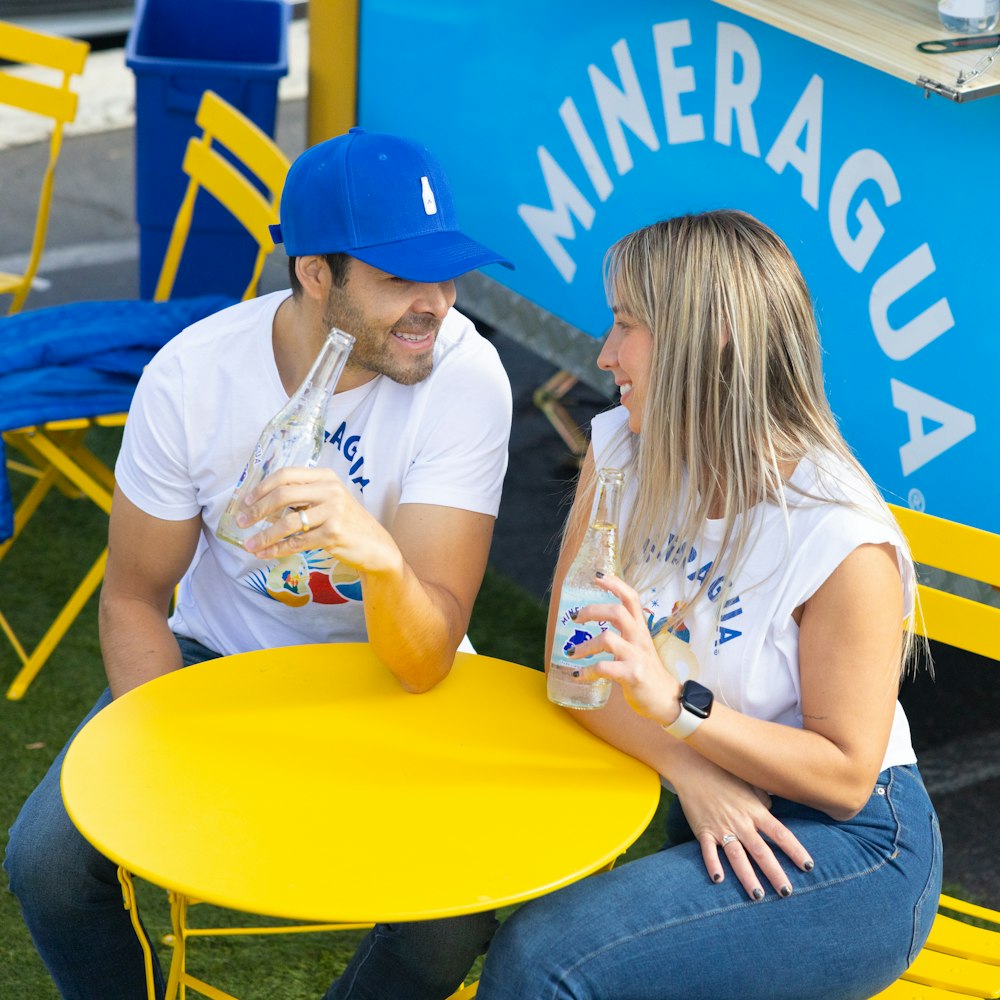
(72, 904)
(659, 929)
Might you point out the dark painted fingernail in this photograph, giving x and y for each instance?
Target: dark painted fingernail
(571, 651)
(717, 877)
(785, 890)
(576, 673)
(758, 894)
(574, 613)
(599, 574)
(809, 866)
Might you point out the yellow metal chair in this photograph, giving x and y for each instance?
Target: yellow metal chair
(65, 58)
(959, 959)
(56, 452)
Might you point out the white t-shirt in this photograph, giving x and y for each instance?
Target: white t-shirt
(747, 650)
(197, 413)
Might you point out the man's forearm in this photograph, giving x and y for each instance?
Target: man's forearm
(413, 627)
(136, 643)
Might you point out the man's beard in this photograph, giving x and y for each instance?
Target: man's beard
(372, 346)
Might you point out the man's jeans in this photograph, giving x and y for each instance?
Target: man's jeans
(660, 929)
(72, 903)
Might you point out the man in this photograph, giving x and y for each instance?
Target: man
(362, 547)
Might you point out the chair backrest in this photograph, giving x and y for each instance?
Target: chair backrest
(63, 58)
(967, 552)
(225, 128)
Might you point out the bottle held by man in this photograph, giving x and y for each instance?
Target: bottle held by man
(293, 437)
(567, 684)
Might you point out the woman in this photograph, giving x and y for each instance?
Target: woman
(764, 619)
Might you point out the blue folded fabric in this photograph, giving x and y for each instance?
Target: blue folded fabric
(82, 360)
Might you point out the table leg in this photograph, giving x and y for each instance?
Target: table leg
(128, 897)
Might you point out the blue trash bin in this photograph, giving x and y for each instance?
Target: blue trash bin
(177, 50)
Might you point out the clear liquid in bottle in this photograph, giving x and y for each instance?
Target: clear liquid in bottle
(294, 436)
(566, 683)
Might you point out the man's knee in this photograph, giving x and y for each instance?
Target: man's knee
(50, 866)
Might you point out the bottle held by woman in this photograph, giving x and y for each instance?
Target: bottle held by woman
(294, 435)
(568, 683)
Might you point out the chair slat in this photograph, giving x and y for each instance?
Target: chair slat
(961, 975)
(953, 937)
(948, 545)
(25, 45)
(41, 98)
(959, 621)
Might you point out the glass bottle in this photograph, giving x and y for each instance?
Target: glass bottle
(294, 435)
(969, 17)
(598, 551)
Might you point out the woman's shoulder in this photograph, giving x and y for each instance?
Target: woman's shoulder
(831, 489)
(610, 436)
(825, 477)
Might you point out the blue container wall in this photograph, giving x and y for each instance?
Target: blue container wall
(177, 50)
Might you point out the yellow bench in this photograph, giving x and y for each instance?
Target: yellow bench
(959, 959)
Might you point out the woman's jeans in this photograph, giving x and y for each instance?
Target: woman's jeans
(72, 903)
(659, 929)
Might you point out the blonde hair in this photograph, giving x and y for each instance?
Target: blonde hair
(736, 382)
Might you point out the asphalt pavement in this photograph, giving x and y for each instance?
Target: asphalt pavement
(93, 254)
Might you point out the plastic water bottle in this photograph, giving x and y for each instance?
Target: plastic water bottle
(598, 551)
(294, 436)
(969, 17)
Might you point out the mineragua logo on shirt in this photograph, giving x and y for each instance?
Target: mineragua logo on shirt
(674, 553)
(349, 446)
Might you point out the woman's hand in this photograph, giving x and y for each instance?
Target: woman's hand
(649, 688)
(731, 818)
(728, 816)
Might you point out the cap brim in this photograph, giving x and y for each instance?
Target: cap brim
(437, 256)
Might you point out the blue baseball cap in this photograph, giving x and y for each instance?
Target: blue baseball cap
(382, 199)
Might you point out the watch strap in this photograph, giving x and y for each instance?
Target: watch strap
(684, 725)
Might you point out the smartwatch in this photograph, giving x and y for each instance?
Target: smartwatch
(696, 706)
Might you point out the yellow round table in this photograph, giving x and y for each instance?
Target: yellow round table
(305, 783)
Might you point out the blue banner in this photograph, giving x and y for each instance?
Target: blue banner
(564, 125)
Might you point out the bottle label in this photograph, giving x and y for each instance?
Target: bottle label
(572, 633)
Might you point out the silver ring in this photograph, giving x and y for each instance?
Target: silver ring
(728, 839)
(303, 519)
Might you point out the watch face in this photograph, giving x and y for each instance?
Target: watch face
(697, 699)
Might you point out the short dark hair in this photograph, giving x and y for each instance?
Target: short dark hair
(337, 262)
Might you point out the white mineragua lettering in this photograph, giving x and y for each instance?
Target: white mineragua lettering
(861, 166)
(676, 80)
(807, 117)
(585, 149)
(903, 342)
(549, 225)
(622, 105)
(733, 99)
(953, 425)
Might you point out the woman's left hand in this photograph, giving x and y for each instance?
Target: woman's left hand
(648, 686)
